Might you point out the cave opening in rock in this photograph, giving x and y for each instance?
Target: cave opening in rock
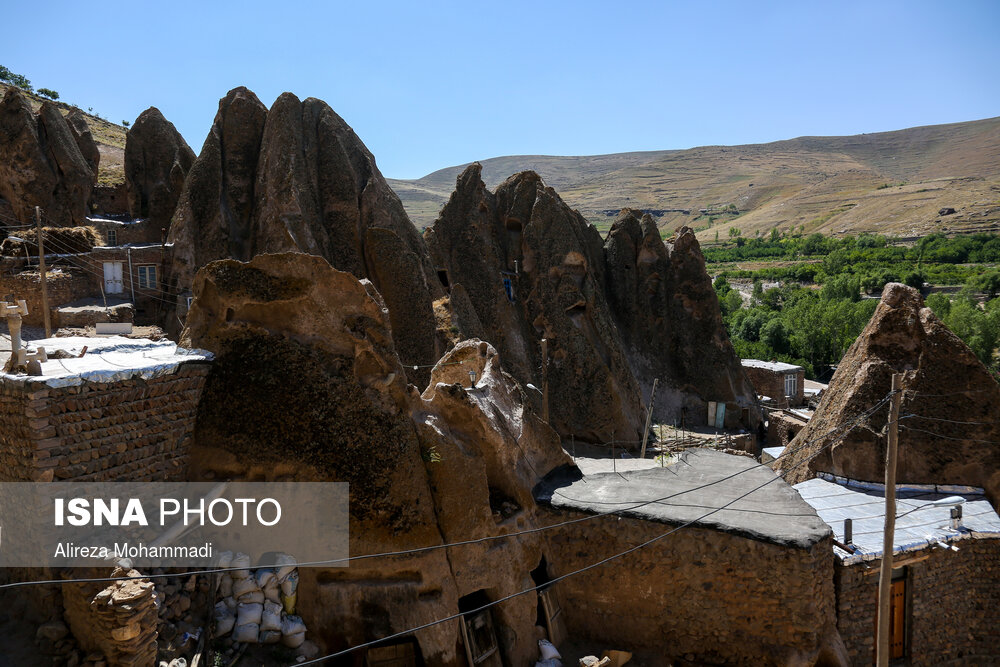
(478, 631)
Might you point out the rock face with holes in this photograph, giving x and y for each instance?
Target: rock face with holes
(157, 160)
(615, 313)
(307, 385)
(41, 163)
(297, 178)
(952, 435)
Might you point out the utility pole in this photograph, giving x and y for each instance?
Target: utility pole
(47, 317)
(885, 574)
(649, 418)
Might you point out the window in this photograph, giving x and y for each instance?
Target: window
(147, 276)
(112, 237)
(791, 384)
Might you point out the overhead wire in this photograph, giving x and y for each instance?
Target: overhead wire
(435, 547)
(556, 580)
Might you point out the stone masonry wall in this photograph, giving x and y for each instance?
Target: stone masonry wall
(698, 595)
(130, 430)
(953, 606)
(782, 428)
(63, 287)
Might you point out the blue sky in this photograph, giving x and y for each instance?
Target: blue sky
(429, 85)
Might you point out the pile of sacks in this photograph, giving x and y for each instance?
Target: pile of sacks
(258, 606)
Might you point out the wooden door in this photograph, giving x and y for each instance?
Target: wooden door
(897, 618)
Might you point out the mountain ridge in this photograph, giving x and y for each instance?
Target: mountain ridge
(892, 182)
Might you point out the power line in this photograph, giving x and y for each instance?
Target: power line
(948, 437)
(435, 547)
(561, 577)
(949, 421)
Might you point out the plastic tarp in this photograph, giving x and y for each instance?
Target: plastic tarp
(108, 359)
(919, 524)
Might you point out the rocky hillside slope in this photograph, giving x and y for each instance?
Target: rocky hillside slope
(890, 182)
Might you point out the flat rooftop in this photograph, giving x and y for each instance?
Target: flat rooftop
(108, 359)
(700, 481)
(919, 524)
(779, 366)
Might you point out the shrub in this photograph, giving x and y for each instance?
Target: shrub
(49, 93)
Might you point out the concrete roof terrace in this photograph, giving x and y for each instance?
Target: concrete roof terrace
(700, 481)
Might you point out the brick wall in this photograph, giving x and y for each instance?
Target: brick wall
(953, 606)
(772, 384)
(63, 287)
(131, 430)
(699, 595)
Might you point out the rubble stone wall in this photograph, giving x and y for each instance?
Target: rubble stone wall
(131, 430)
(782, 428)
(698, 595)
(63, 287)
(119, 620)
(953, 606)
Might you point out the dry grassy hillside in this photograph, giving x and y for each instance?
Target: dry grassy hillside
(110, 138)
(891, 182)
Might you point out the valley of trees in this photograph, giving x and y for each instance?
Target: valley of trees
(812, 295)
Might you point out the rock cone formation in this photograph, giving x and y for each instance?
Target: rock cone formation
(523, 266)
(669, 317)
(157, 160)
(944, 386)
(297, 178)
(41, 163)
(307, 386)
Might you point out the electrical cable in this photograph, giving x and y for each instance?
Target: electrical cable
(556, 579)
(435, 547)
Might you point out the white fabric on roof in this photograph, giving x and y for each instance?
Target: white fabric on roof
(918, 525)
(108, 359)
(770, 365)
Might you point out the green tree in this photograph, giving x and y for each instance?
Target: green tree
(49, 93)
(774, 334)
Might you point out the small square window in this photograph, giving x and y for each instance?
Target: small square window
(147, 276)
(112, 237)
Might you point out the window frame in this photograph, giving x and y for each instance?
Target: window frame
(143, 276)
(791, 379)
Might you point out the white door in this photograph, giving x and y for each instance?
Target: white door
(113, 283)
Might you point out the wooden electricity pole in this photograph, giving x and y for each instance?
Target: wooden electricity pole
(885, 575)
(649, 418)
(41, 270)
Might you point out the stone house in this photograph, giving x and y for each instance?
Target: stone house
(783, 384)
(945, 604)
(736, 587)
(106, 275)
